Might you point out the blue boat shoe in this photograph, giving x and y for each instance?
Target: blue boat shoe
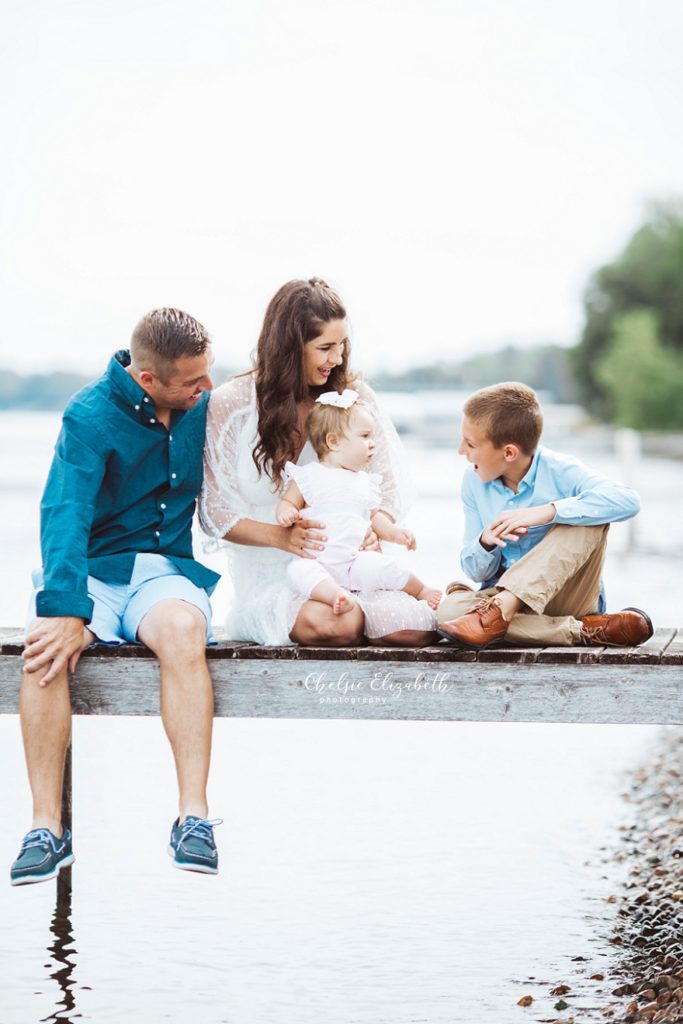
(41, 857)
(192, 845)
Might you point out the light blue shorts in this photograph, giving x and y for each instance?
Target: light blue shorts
(119, 608)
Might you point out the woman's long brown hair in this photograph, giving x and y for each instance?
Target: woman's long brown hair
(297, 313)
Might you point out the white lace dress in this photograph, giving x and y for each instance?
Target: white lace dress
(263, 607)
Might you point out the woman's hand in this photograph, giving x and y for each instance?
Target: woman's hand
(302, 538)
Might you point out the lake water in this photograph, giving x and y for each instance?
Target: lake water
(370, 871)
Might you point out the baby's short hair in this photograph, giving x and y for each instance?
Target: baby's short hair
(509, 413)
(331, 419)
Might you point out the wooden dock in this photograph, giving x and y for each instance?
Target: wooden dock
(439, 683)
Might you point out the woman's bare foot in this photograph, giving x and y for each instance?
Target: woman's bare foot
(343, 603)
(431, 596)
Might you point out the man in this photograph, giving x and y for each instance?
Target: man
(116, 542)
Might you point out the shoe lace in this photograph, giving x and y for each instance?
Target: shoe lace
(597, 634)
(200, 827)
(36, 837)
(486, 604)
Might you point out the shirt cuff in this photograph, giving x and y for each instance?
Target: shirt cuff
(52, 604)
(478, 563)
(570, 508)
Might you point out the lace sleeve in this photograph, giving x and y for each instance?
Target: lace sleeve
(389, 460)
(221, 504)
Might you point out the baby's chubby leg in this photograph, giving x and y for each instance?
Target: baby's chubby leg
(311, 580)
(372, 570)
(417, 589)
(329, 592)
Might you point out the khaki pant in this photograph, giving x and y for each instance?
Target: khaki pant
(558, 582)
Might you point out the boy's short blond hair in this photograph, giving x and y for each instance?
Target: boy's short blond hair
(331, 419)
(509, 413)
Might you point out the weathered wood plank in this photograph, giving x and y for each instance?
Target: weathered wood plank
(673, 655)
(649, 653)
(464, 691)
(570, 655)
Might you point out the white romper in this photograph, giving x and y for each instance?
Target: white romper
(342, 500)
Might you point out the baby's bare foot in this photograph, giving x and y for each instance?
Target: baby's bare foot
(343, 603)
(431, 596)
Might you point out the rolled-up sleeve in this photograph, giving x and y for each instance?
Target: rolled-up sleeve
(66, 516)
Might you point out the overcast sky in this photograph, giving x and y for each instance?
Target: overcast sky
(456, 168)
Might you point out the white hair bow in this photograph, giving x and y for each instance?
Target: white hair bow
(343, 401)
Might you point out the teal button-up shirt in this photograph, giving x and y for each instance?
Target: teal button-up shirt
(120, 483)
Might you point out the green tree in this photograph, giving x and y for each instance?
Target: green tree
(643, 380)
(647, 276)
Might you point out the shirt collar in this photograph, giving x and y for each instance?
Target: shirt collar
(529, 478)
(130, 394)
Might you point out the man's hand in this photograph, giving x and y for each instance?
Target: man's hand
(514, 524)
(53, 643)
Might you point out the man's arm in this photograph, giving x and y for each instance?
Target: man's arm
(67, 511)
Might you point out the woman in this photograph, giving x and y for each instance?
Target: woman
(256, 423)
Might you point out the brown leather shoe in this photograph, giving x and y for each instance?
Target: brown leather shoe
(480, 626)
(626, 628)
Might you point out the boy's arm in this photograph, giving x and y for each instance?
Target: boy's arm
(386, 530)
(588, 499)
(477, 562)
(289, 505)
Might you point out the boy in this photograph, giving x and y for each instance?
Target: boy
(536, 525)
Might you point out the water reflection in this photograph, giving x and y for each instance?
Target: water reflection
(63, 953)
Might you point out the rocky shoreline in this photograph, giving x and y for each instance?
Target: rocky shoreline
(641, 980)
(649, 928)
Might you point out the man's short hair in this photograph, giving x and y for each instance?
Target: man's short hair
(164, 336)
(509, 413)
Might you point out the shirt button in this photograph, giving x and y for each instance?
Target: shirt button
(173, 476)
(163, 505)
(145, 399)
(137, 407)
(157, 534)
(152, 420)
(170, 437)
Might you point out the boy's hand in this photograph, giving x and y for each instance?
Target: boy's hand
(286, 513)
(514, 524)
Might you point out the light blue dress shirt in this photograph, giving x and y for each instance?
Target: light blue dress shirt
(581, 497)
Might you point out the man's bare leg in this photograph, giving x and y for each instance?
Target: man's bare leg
(46, 727)
(176, 632)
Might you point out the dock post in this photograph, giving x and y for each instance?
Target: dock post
(64, 876)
